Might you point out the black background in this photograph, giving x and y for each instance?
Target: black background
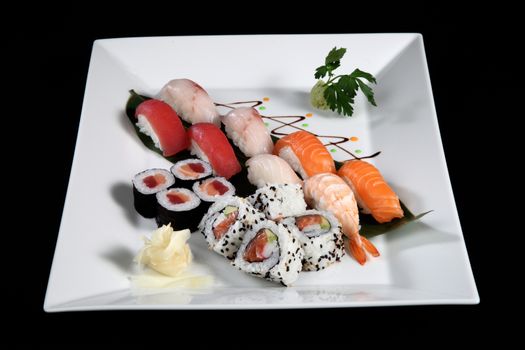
(471, 68)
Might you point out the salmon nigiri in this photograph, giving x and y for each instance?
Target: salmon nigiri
(305, 154)
(329, 192)
(372, 193)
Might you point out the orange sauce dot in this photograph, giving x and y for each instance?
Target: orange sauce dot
(266, 99)
(309, 115)
(354, 138)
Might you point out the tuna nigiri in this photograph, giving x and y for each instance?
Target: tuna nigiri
(305, 154)
(190, 101)
(267, 169)
(372, 193)
(329, 192)
(247, 130)
(159, 121)
(210, 144)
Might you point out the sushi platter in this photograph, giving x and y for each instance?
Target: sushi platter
(244, 197)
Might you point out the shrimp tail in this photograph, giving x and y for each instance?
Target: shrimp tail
(358, 249)
(370, 248)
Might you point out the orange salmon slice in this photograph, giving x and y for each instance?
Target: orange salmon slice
(224, 226)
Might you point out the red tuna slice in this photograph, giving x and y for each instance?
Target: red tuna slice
(214, 144)
(166, 124)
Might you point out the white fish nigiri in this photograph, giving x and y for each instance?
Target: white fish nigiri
(265, 169)
(191, 102)
(245, 127)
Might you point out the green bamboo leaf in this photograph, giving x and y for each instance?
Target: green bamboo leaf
(371, 228)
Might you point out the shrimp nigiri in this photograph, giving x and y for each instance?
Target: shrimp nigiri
(266, 169)
(305, 154)
(329, 192)
(246, 128)
(191, 102)
(372, 193)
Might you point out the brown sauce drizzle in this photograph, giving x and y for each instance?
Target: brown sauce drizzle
(295, 120)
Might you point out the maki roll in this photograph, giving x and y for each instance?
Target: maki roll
(180, 207)
(145, 185)
(225, 223)
(319, 233)
(278, 201)
(188, 171)
(213, 189)
(269, 250)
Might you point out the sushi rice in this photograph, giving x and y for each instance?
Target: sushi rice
(146, 128)
(277, 201)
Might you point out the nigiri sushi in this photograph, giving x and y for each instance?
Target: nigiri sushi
(247, 130)
(210, 144)
(190, 101)
(160, 122)
(267, 169)
(329, 192)
(372, 192)
(305, 154)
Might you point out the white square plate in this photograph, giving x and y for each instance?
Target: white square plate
(423, 263)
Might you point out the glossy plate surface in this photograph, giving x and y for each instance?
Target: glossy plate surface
(423, 263)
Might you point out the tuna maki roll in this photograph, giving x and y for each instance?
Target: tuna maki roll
(180, 207)
(188, 171)
(145, 185)
(213, 189)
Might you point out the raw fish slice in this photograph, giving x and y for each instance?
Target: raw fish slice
(371, 190)
(190, 101)
(266, 169)
(305, 154)
(159, 121)
(210, 144)
(247, 130)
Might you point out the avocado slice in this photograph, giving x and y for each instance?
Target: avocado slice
(229, 209)
(270, 235)
(325, 224)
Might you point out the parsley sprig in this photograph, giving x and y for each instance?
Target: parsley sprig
(339, 91)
